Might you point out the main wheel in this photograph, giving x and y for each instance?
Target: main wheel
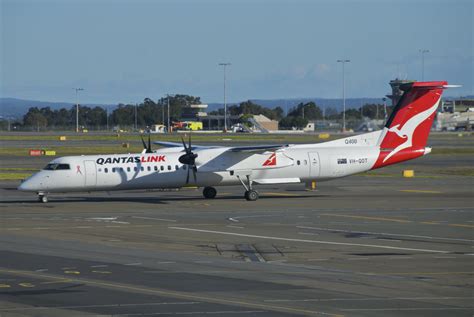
(251, 195)
(209, 192)
(43, 199)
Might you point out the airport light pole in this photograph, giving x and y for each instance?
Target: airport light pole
(343, 61)
(423, 52)
(225, 97)
(136, 108)
(77, 108)
(168, 101)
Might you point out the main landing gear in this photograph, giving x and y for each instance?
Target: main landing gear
(209, 192)
(42, 198)
(250, 194)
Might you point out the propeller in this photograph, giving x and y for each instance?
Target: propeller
(145, 146)
(189, 159)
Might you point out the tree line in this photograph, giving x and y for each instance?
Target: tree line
(151, 112)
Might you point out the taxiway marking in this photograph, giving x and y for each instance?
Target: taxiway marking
(177, 294)
(308, 241)
(369, 218)
(157, 219)
(420, 191)
(385, 234)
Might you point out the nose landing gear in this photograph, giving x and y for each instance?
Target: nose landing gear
(42, 198)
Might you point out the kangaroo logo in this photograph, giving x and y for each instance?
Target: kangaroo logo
(408, 129)
(271, 161)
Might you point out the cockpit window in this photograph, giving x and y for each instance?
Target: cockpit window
(57, 166)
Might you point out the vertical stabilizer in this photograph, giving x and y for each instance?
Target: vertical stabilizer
(405, 135)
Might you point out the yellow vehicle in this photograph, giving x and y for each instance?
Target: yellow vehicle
(188, 125)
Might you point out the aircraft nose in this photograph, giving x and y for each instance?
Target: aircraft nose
(25, 185)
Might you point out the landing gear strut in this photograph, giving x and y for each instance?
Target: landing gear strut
(209, 192)
(42, 198)
(250, 194)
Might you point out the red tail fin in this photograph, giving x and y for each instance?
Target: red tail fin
(406, 132)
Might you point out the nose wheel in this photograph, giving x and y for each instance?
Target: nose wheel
(42, 198)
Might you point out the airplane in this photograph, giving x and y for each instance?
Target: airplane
(403, 138)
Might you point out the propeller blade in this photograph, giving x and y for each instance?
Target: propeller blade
(143, 142)
(190, 148)
(184, 145)
(148, 150)
(194, 172)
(187, 176)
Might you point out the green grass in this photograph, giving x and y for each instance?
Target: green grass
(17, 169)
(14, 176)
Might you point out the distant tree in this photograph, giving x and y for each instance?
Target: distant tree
(35, 119)
(310, 109)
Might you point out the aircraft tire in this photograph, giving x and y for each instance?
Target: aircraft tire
(209, 192)
(251, 195)
(43, 199)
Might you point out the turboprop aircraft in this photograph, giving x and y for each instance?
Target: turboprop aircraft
(403, 138)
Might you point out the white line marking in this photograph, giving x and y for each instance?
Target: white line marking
(309, 233)
(407, 309)
(158, 219)
(365, 299)
(165, 262)
(41, 270)
(133, 264)
(97, 306)
(102, 265)
(233, 219)
(309, 241)
(384, 233)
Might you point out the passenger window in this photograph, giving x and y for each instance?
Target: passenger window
(169, 167)
(121, 169)
(298, 162)
(106, 170)
(184, 167)
(162, 167)
(142, 168)
(156, 168)
(148, 168)
(113, 169)
(176, 167)
(128, 169)
(135, 169)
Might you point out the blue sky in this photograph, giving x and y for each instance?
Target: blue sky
(124, 51)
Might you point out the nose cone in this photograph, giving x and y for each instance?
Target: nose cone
(33, 183)
(25, 186)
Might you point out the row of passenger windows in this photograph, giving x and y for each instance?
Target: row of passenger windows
(298, 162)
(142, 168)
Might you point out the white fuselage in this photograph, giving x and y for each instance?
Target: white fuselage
(215, 167)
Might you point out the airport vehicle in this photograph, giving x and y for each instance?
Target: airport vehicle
(187, 125)
(404, 137)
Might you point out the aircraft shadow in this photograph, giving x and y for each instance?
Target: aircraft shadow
(156, 200)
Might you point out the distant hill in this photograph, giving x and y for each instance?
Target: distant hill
(16, 108)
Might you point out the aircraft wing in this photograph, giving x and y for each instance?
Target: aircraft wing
(258, 148)
(242, 149)
(180, 145)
